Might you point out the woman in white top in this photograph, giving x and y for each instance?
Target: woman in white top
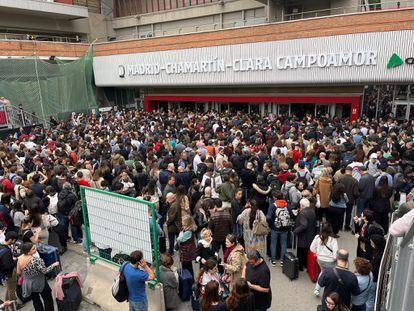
(325, 246)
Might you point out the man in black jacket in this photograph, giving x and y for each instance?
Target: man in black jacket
(339, 280)
(8, 264)
(66, 202)
(305, 230)
(352, 192)
(366, 187)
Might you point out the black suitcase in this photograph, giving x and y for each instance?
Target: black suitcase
(73, 295)
(291, 263)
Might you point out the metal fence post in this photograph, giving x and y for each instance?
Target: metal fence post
(85, 221)
(155, 241)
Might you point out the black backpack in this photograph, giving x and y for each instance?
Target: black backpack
(303, 179)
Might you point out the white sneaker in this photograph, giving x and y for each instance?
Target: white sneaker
(316, 293)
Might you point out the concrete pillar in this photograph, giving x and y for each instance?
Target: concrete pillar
(98, 284)
(275, 11)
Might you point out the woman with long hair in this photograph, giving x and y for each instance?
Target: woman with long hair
(182, 199)
(33, 270)
(246, 219)
(210, 301)
(381, 204)
(337, 208)
(240, 297)
(325, 246)
(377, 243)
(28, 233)
(334, 302)
(208, 272)
(186, 243)
(234, 259)
(323, 189)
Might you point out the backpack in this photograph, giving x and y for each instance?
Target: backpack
(303, 179)
(53, 200)
(274, 181)
(282, 218)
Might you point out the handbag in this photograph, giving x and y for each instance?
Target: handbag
(119, 287)
(260, 227)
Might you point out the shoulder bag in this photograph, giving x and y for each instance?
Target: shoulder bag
(260, 227)
(119, 287)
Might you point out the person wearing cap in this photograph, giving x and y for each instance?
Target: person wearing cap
(372, 165)
(352, 192)
(366, 186)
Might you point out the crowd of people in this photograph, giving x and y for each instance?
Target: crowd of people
(229, 190)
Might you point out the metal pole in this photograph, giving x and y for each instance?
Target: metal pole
(363, 99)
(155, 241)
(40, 92)
(85, 221)
(376, 109)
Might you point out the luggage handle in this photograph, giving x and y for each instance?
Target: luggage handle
(294, 243)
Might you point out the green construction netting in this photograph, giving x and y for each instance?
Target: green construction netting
(47, 87)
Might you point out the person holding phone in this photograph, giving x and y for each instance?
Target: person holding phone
(136, 273)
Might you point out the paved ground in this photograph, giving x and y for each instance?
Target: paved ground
(287, 295)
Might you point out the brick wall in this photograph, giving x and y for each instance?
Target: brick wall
(376, 21)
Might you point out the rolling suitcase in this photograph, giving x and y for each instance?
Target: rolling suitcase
(185, 284)
(73, 295)
(50, 255)
(291, 262)
(313, 266)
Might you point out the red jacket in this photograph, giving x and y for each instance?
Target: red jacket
(284, 175)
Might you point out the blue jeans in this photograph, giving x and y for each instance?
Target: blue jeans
(76, 233)
(138, 305)
(237, 230)
(371, 297)
(171, 240)
(275, 235)
(362, 204)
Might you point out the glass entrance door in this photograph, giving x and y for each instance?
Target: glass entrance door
(401, 110)
(321, 110)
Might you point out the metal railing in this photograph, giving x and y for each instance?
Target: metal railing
(382, 5)
(13, 117)
(395, 279)
(39, 37)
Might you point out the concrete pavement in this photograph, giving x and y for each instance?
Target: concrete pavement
(287, 295)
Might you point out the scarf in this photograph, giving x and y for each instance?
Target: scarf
(227, 252)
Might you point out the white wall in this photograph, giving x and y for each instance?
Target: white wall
(106, 68)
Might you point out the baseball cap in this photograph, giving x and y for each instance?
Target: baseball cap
(373, 156)
(362, 168)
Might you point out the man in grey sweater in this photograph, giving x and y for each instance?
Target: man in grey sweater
(366, 187)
